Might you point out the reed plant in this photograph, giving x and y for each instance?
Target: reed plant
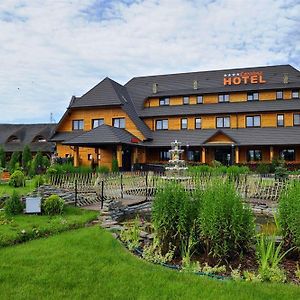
(226, 225)
(289, 212)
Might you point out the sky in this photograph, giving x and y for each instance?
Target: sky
(53, 49)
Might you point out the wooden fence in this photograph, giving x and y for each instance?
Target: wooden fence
(142, 185)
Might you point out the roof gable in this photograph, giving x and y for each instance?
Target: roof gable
(219, 137)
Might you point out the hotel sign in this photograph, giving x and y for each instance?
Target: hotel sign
(244, 78)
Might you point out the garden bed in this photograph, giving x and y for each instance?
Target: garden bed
(212, 231)
(21, 228)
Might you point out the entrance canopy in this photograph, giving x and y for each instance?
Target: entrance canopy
(103, 135)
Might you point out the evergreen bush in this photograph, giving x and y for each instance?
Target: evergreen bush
(17, 179)
(14, 161)
(13, 205)
(53, 205)
(2, 158)
(26, 158)
(114, 165)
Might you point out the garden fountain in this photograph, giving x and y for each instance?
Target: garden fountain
(176, 166)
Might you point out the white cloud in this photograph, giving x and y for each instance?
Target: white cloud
(51, 50)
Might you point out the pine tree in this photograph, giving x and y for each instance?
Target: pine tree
(26, 158)
(2, 158)
(14, 161)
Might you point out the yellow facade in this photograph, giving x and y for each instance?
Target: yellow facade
(103, 156)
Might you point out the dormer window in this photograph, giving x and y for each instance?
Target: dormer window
(39, 139)
(164, 101)
(13, 139)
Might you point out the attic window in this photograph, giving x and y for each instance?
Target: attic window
(39, 139)
(13, 139)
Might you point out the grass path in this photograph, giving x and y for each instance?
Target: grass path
(89, 264)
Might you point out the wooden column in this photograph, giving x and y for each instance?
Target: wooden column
(135, 156)
(119, 155)
(237, 157)
(203, 159)
(271, 153)
(76, 156)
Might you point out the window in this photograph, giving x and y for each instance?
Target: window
(162, 124)
(90, 157)
(223, 122)
(164, 155)
(193, 155)
(224, 98)
(186, 100)
(184, 123)
(253, 96)
(77, 124)
(119, 122)
(199, 99)
(287, 154)
(279, 95)
(280, 120)
(13, 139)
(164, 101)
(296, 119)
(97, 122)
(295, 94)
(254, 155)
(253, 121)
(198, 123)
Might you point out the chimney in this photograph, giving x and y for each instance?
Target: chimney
(285, 78)
(195, 84)
(155, 88)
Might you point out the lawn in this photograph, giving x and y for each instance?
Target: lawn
(89, 264)
(6, 189)
(21, 228)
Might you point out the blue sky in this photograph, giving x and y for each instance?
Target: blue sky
(53, 49)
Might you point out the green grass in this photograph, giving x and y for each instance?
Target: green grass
(89, 264)
(25, 227)
(6, 189)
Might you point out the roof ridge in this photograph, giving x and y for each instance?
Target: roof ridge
(210, 71)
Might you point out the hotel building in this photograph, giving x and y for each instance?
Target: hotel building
(236, 116)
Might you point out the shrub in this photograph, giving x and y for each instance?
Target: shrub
(38, 181)
(2, 158)
(13, 205)
(289, 212)
(14, 161)
(102, 169)
(53, 205)
(263, 168)
(130, 235)
(173, 214)
(17, 179)
(269, 257)
(26, 158)
(114, 165)
(226, 225)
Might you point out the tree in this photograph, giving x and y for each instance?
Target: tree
(38, 162)
(26, 158)
(14, 161)
(2, 158)
(114, 165)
